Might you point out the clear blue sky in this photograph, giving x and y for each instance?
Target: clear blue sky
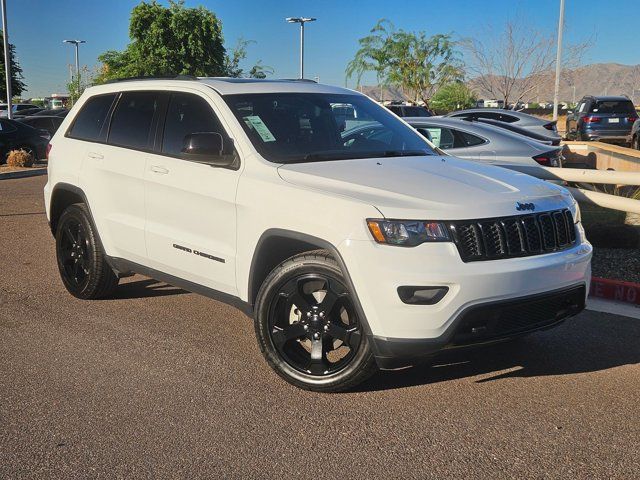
(37, 28)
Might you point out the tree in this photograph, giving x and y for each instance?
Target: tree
(414, 62)
(453, 96)
(509, 64)
(17, 85)
(238, 54)
(172, 40)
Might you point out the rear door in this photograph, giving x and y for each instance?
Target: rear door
(190, 206)
(113, 173)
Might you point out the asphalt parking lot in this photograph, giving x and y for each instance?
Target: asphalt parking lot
(161, 383)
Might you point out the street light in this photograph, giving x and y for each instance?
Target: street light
(7, 59)
(77, 44)
(558, 61)
(301, 21)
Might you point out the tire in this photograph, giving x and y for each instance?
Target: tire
(315, 342)
(81, 262)
(635, 143)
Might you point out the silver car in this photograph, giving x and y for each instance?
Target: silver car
(486, 143)
(520, 119)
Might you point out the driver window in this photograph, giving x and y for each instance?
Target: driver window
(188, 113)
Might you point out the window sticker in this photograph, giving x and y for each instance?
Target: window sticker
(255, 122)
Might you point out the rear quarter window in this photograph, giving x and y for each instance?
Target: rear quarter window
(89, 123)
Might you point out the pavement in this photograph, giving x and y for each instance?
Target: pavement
(160, 383)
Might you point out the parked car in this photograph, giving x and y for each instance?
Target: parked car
(55, 112)
(48, 123)
(409, 110)
(17, 108)
(602, 118)
(350, 255)
(15, 135)
(512, 127)
(472, 141)
(27, 112)
(634, 137)
(520, 119)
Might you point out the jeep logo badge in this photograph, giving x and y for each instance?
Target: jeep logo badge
(525, 206)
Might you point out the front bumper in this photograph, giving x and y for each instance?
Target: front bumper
(378, 270)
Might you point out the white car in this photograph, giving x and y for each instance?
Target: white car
(351, 255)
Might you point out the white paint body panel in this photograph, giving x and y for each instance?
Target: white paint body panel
(140, 214)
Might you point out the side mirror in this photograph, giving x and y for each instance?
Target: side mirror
(206, 147)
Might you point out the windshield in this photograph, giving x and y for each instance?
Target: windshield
(308, 127)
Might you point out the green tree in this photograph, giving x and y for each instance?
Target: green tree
(416, 63)
(173, 40)
(453, 96)
(17, 85)
(238, 54)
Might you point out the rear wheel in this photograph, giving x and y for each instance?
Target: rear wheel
(81, 263)
(308, 328)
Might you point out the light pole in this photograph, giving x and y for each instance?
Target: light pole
(558, 61)
(7, 59)
(77, 44)
(301, 21)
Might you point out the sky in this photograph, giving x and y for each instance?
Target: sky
(38, 27)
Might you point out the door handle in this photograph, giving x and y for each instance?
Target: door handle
(159, 169)
(97, 156)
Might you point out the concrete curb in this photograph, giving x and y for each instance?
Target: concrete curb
(23, 173)
(627, 292)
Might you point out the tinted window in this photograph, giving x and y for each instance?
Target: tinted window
(187, 114)
(614, 106)
(416, 112)
(89, 122)
(440, 137)
(6, 127)
(132, 120)
(469, 140)
(308, 127)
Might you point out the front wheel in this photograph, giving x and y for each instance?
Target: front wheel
(308, 328)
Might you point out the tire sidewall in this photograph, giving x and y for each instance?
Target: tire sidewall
(271, 286)
(78, 213)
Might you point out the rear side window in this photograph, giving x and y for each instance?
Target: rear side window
(90, 120)
(187, 114)
(133, 118)
(468, 140)
(613, 106)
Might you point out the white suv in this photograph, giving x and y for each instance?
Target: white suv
(354, 248)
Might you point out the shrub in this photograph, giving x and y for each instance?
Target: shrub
(19, 158)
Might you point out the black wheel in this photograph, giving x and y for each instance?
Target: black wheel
(636, 142)
(81, 262)
(308, 328)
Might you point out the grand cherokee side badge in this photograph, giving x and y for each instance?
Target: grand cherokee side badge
(525, 206)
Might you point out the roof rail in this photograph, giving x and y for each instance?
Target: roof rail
(159, 77)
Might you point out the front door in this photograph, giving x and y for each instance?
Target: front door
(190, 207)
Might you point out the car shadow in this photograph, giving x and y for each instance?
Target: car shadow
(580, 345)
(144, 289)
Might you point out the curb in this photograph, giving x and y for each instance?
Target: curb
(23, 173)
(617, 290)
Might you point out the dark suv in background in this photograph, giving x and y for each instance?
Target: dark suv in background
(602, 118)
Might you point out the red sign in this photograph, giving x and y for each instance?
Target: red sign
(615, 290)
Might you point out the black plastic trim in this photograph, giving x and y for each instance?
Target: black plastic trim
(120, 264)
(393, 353)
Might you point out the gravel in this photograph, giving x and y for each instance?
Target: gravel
(617, 264)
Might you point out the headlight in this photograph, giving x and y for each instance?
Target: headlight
(407, 233)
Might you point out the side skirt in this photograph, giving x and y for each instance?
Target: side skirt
(122, 265)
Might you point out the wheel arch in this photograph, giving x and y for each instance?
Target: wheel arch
(276, 245)
(62, 196)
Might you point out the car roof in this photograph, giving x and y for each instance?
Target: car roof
(609, 98)
(227, 86)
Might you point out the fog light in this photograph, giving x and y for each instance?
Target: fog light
(422, 295)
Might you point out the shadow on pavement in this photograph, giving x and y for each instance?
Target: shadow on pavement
(582, 344)
(145, 288)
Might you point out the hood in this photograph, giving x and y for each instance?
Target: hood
(429, 187)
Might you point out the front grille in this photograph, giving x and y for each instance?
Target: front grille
(513, 317)
(516, 236)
